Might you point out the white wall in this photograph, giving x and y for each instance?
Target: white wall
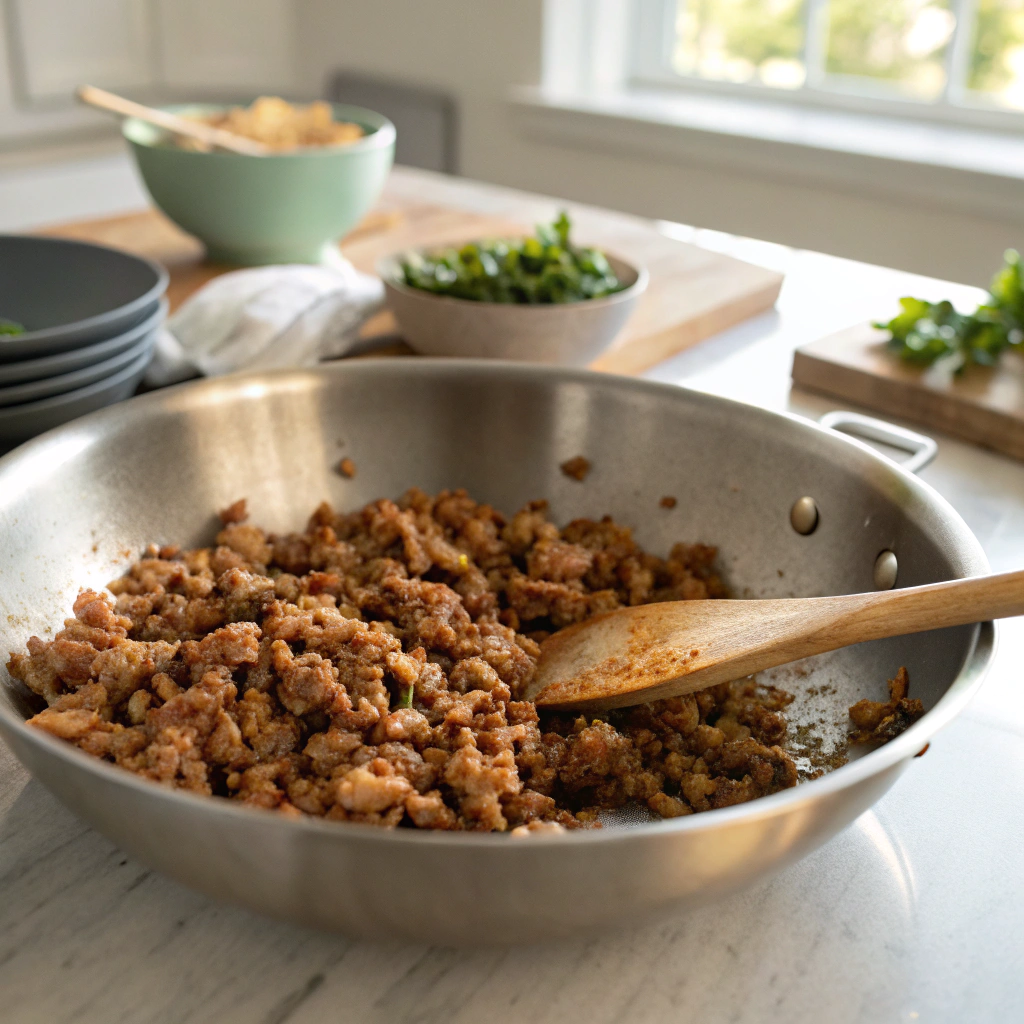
(478, 50)
(475, 49)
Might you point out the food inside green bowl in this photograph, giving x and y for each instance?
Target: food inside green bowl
(10, 327)
(545, 268)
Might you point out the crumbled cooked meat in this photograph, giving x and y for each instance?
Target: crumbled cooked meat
(577, 467)
(877, 722)
(234, 513)
(347, 468)
(368, 669)
(537, 827)
(668, 502)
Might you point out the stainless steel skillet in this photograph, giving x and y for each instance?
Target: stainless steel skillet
(79, 502)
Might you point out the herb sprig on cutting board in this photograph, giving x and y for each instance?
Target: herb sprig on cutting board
(925, 332)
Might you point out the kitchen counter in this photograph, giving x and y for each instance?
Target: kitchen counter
(912, 914)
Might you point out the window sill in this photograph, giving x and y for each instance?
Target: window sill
(963, 169)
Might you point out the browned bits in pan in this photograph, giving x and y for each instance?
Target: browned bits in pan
(668, 502)
(234, 513)
(347, 468)
(576, 468)
(877, 721)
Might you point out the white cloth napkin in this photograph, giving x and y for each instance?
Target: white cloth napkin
(265, 318)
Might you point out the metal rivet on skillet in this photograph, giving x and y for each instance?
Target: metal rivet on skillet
(804, 515)
(886, 568)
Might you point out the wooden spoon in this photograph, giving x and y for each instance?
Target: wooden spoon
(206, 133)
(652, 651)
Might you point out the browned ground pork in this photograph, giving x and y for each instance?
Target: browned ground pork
(367, 670)
(576, 468)
(877, 721)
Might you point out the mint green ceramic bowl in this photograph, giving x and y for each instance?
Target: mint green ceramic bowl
(283, 208)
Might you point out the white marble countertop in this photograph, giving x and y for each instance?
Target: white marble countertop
(911, 914)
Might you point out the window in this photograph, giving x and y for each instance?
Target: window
(960, 60)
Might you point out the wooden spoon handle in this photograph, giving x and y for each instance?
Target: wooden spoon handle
(802, 627)
(664, 650)
(916, 609)
(217, 137)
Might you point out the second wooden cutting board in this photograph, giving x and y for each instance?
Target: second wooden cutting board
(984, 405)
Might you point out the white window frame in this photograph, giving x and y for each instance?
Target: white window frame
(648, 65)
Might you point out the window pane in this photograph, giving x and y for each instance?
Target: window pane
(896, 43)
(741, 41)
(997, 54)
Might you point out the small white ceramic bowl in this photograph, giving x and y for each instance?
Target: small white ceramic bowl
(563, 334)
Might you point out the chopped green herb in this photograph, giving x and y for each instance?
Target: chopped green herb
(10, 327)
(925, 332)
(545, 268)
(405, 698)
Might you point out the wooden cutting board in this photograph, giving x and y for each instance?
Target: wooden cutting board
(693, 293)
(984, 405)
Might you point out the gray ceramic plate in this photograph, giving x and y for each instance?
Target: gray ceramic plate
(33, 390)
(78, 358)
(20, 422)
(66, 293)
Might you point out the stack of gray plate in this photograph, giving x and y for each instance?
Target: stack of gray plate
(87, 320)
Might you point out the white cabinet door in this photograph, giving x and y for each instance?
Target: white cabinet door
(59, 44)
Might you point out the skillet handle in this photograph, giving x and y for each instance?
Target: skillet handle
(922, 448)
